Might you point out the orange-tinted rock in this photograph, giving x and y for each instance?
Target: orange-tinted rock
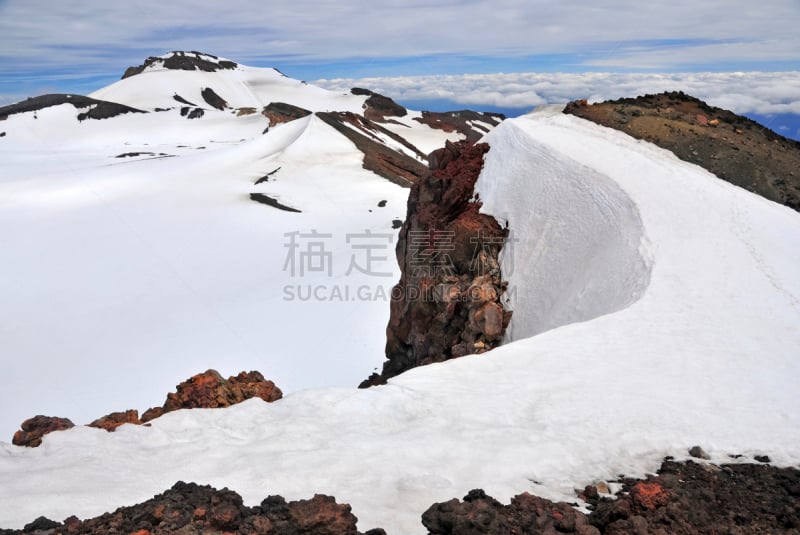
(33, 429)
(111, 421)
(321, 514)
(649, 495)
(209, 390)
(447, 303)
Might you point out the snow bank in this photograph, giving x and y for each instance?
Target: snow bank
(574, 252)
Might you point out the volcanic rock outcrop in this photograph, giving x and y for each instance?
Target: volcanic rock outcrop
(683, 499)
(448, 301)
(734, 148)
(209, 390)
(213, 99)
(190, 509)
(378, 107)
(185, 61)
(281, 112)
(472, 124)
(205, 390)
(33, 429)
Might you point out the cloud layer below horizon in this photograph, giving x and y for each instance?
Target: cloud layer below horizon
(764, 93)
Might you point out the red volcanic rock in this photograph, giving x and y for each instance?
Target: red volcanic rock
(33, 429)
(209, 390)
(649, 495)
(111, 421)
(447, 303)
(192, 509)
(683, 499)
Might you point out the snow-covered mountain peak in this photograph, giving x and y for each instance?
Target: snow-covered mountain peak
(184, 77)
(182, 60)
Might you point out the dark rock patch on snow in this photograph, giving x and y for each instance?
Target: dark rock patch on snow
(281, 112)
(448, 301)
(378, 158)
(377, 107)
(184, 61)
(465, 122)
(269, 201)
(265, 178)
(182, 100)
(734, 148)
(192, 113)
(213, 99)
(98, 109)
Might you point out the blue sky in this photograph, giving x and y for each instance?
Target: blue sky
(80, 46)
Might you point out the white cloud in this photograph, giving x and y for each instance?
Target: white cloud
(751, 92)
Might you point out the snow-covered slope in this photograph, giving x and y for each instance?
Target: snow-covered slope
(241, 87)
(701, 349)
(132, 256)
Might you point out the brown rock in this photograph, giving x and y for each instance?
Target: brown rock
(392, 165)
(447, 303)
(111, 421)
(191, 509)
(378, 107)
(280, 112)
(33, 429)
(465, 122)
(209, 390)
(649, 495)
(322, 515)
(756, 159)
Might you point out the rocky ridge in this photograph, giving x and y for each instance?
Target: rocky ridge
(447, 303)
(471, 124)
(98, 109)
(731, 146)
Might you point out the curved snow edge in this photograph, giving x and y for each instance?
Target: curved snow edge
(576, 249)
